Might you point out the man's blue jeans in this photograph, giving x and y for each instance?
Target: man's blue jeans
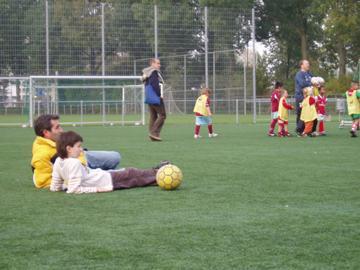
(106, 160)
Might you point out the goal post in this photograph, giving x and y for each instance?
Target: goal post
(83, 100)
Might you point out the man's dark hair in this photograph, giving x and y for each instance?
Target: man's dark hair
(278, 85)
(43, 122)
(68, 138)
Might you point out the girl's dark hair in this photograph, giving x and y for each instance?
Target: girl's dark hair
(68, 138)
(278, 85)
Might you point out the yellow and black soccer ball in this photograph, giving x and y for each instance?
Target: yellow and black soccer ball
(169, 177)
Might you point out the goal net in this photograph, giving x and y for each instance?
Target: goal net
(81, 100)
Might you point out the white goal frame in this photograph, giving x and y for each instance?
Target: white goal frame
(135, 78)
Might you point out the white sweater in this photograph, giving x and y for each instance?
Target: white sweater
(70, 174)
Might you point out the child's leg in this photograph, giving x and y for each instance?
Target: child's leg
(280, 127)
(210, 129)
(308, 127)
(197, 129)
(132, 177)
(321, 126)
(272, 125)
(355, 125)
(314, 125)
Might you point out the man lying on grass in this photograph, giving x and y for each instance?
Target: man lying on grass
(47, 129)
(71, 175)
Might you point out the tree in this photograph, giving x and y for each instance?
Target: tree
(342, 34)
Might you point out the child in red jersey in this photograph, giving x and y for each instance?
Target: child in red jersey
(275, 98)
(320, 109)
(283, 118)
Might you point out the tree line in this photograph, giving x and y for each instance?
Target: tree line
(327, 32)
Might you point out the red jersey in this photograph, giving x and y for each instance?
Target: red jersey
(320, 104)
(275, 98)
(207, 105)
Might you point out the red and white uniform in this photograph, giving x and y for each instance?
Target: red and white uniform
(320, 104)
(275, 98)
(320, 107)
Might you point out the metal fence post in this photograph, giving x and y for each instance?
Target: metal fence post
(206, 48)
(81, 113)
(214, 82)
(245, 79)
(123, 107)
(143, 105)
(237, 111)
(47, 36)
(103, 59)
(254, 64)
(185, 84)
(30, 103)
(156, 31)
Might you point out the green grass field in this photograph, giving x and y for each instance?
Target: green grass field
(247, 202)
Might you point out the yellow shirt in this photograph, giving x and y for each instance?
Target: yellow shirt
(283, 112)
(353, 103)
(308, 112)
(200, 105)
(43, 151)
(315, 91)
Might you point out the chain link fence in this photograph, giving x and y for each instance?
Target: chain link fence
(197, 46)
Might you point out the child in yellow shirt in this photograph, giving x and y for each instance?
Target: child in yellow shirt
(283, 117)
(353, 104)
(203, 114)
(308, 111)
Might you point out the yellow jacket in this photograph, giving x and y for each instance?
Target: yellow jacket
(43, 157)
(308, 112)
(200, 105)
(353, 102)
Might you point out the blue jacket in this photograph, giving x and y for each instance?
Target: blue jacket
(154, 82)
(302, 80)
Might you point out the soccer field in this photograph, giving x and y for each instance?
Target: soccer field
(247, 201)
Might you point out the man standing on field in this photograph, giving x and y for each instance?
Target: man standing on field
(154, 84)
(302, 80)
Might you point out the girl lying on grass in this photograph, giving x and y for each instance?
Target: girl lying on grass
(70, 175)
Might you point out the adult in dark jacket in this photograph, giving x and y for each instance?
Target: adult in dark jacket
(152, 76)
(302, 80)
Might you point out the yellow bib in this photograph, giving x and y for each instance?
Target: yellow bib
(353, 103)
(315, 91)
(200, 105)
(308, 112)
(283, 112)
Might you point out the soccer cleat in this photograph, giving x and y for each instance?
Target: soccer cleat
(212, 135)
(353, 133)
(271, 134)
(197, 136)
(280, 134)
(287, 134)
(161, 164)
